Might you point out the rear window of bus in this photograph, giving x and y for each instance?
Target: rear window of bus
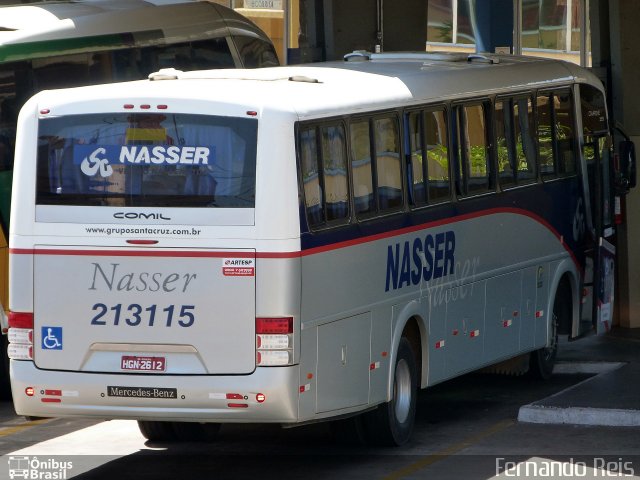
(147, 159)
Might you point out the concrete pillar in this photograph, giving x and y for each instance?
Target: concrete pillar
(624, 17)
(494, 25)
(405, 25)
(331, 28)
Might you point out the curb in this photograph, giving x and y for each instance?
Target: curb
(538, 412)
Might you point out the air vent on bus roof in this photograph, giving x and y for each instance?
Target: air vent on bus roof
(303, 78)
(363, 55)
(482, 58)
(165, 74)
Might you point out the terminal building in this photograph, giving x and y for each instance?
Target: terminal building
(596, 34)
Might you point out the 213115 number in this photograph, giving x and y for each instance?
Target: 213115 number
(135, 315)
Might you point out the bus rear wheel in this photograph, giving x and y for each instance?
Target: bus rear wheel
(157, 431)
(196, 432)
(391, 424)
(542, 360)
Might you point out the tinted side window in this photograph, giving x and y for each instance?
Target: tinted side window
(525, 149)
(556, 135)
(594, 116)
(564, 132)
(136, 63)
(255, 52)
(388, 166)
(515, 145)
(418, 166)
(334, 170)
(429, 156)
(473, 149)
(311, 181)
(545, 135)
(504, 143)
(361, 168)
(323, 165)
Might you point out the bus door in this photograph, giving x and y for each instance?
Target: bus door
(597, 151)
(601, 253)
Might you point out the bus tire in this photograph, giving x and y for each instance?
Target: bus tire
(196, 432)
(542, 360)
(157, 431)
(391, 424)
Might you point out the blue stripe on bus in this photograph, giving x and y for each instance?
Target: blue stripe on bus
(553, 203)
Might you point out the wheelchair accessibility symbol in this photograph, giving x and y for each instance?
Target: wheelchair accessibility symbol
(52, 338)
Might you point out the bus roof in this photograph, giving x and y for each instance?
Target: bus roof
(50, 28)
(334, 88)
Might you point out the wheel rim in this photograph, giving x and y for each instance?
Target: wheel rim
(402, 391)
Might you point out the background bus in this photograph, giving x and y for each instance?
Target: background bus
(299, 244)
(64, 44)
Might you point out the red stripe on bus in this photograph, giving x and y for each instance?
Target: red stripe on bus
(303, 253)
(434, 224)
(151, 253)
(129, 253)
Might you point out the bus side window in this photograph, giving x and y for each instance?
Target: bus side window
(545, 136)
(361, 168)
(311, 179)
(525, 142)
(388, 166)
(437, 156)
(8, 115)
(61, 71)
(212, 53)
(126, 64)
(474, 149)
(255, 52)
(504, 143)
(564, 132)
(334, 173)
(418, 166)
(515, 144)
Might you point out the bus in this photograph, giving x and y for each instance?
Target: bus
(64, 44)
(307, 243)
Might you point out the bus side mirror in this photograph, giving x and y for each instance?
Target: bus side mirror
(626, 175)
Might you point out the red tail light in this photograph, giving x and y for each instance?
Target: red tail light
(274, 341)
(20, 320)
(278, 326)
(20, 336)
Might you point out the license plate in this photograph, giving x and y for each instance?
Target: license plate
(143, 364)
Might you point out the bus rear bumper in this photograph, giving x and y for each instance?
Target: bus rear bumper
(268, 395)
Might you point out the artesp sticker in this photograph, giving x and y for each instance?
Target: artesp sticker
(238, 267)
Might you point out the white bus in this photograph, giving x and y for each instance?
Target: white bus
(299, 244)
(60, 44)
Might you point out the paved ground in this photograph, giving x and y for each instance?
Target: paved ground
(465, 429)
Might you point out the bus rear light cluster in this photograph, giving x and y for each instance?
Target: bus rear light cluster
(274, 341)
(20, 336)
